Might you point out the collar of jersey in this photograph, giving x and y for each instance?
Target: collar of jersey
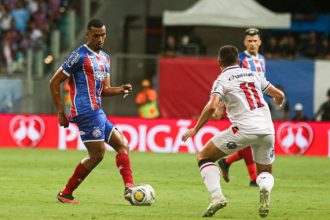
(96, 54)
(230, 67)
(247, 53)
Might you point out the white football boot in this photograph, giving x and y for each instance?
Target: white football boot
(264, 205)
(214, 206)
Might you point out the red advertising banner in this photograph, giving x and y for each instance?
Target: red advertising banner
(185, 85)
(156, 135)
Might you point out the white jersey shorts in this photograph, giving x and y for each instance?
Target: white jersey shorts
(232, 140)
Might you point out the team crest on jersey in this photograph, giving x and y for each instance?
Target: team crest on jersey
(231, 145)
(96, 132)
(73, 59)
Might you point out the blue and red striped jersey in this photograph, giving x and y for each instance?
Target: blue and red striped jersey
(87, 70)
(255, 63)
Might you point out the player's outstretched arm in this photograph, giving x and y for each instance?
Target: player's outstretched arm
(276, 94)
(108, 90)
(54, 84)
(206, 114)
(218, 114)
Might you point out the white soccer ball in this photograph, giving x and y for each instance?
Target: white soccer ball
(143, 194)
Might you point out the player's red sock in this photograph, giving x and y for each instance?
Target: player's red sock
(250, 165)
(124, 167)
(78, 176)
(233, 157)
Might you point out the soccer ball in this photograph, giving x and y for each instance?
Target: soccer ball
(143, 195)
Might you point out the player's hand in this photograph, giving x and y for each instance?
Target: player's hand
(127, 88)
(188, 134)
(62, 120)
(279, 102)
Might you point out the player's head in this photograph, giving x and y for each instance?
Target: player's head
(96, 34)
(228, 56)
(252, 40)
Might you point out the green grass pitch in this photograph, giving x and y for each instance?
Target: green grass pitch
(30, 180)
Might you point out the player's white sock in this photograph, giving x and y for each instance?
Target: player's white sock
(265, 180)
(211, 177)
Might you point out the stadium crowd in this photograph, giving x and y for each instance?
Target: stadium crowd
(276, 45)
(310, 45)
(25, 24)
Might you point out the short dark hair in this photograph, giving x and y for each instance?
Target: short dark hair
(328, 93)
(94, 23)
(252, 31)
(228, 55)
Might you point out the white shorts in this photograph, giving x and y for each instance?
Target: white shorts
(232, 140)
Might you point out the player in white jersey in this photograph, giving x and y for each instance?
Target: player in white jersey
(253, 60)
(241, 90)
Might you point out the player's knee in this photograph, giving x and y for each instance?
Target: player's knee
(97, 157)
(202, 156)
(124, 148)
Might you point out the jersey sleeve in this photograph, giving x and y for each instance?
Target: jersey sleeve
(72, 64)
(218, 88)
(264, 83)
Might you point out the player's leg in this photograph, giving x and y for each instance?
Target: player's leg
(247, 155)
(92, 134)
(265, 181)
(225, 163)
(210, 175)
(119, 143)
(236, 156)
(264, 157)
(225, 143)
(95, 155)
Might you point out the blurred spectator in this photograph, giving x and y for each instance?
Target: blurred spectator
(171, 48)
(192, 45)
(288, 47)
(32, 6)
(279, 113)
(21, 16)
(36, 36)
(8, 51)
(54, 10)
(19, 60)
(325, 49)
(23, 25)
(311, 48)
(39, 18)
(6, 20)
(292, 50)
(295, 45)
(146, 100)
(272, 49)
(299, 109)
(324, 110)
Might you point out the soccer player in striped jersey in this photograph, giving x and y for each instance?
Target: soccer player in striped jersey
(253, 60)
(88, 71)
(241, 90)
